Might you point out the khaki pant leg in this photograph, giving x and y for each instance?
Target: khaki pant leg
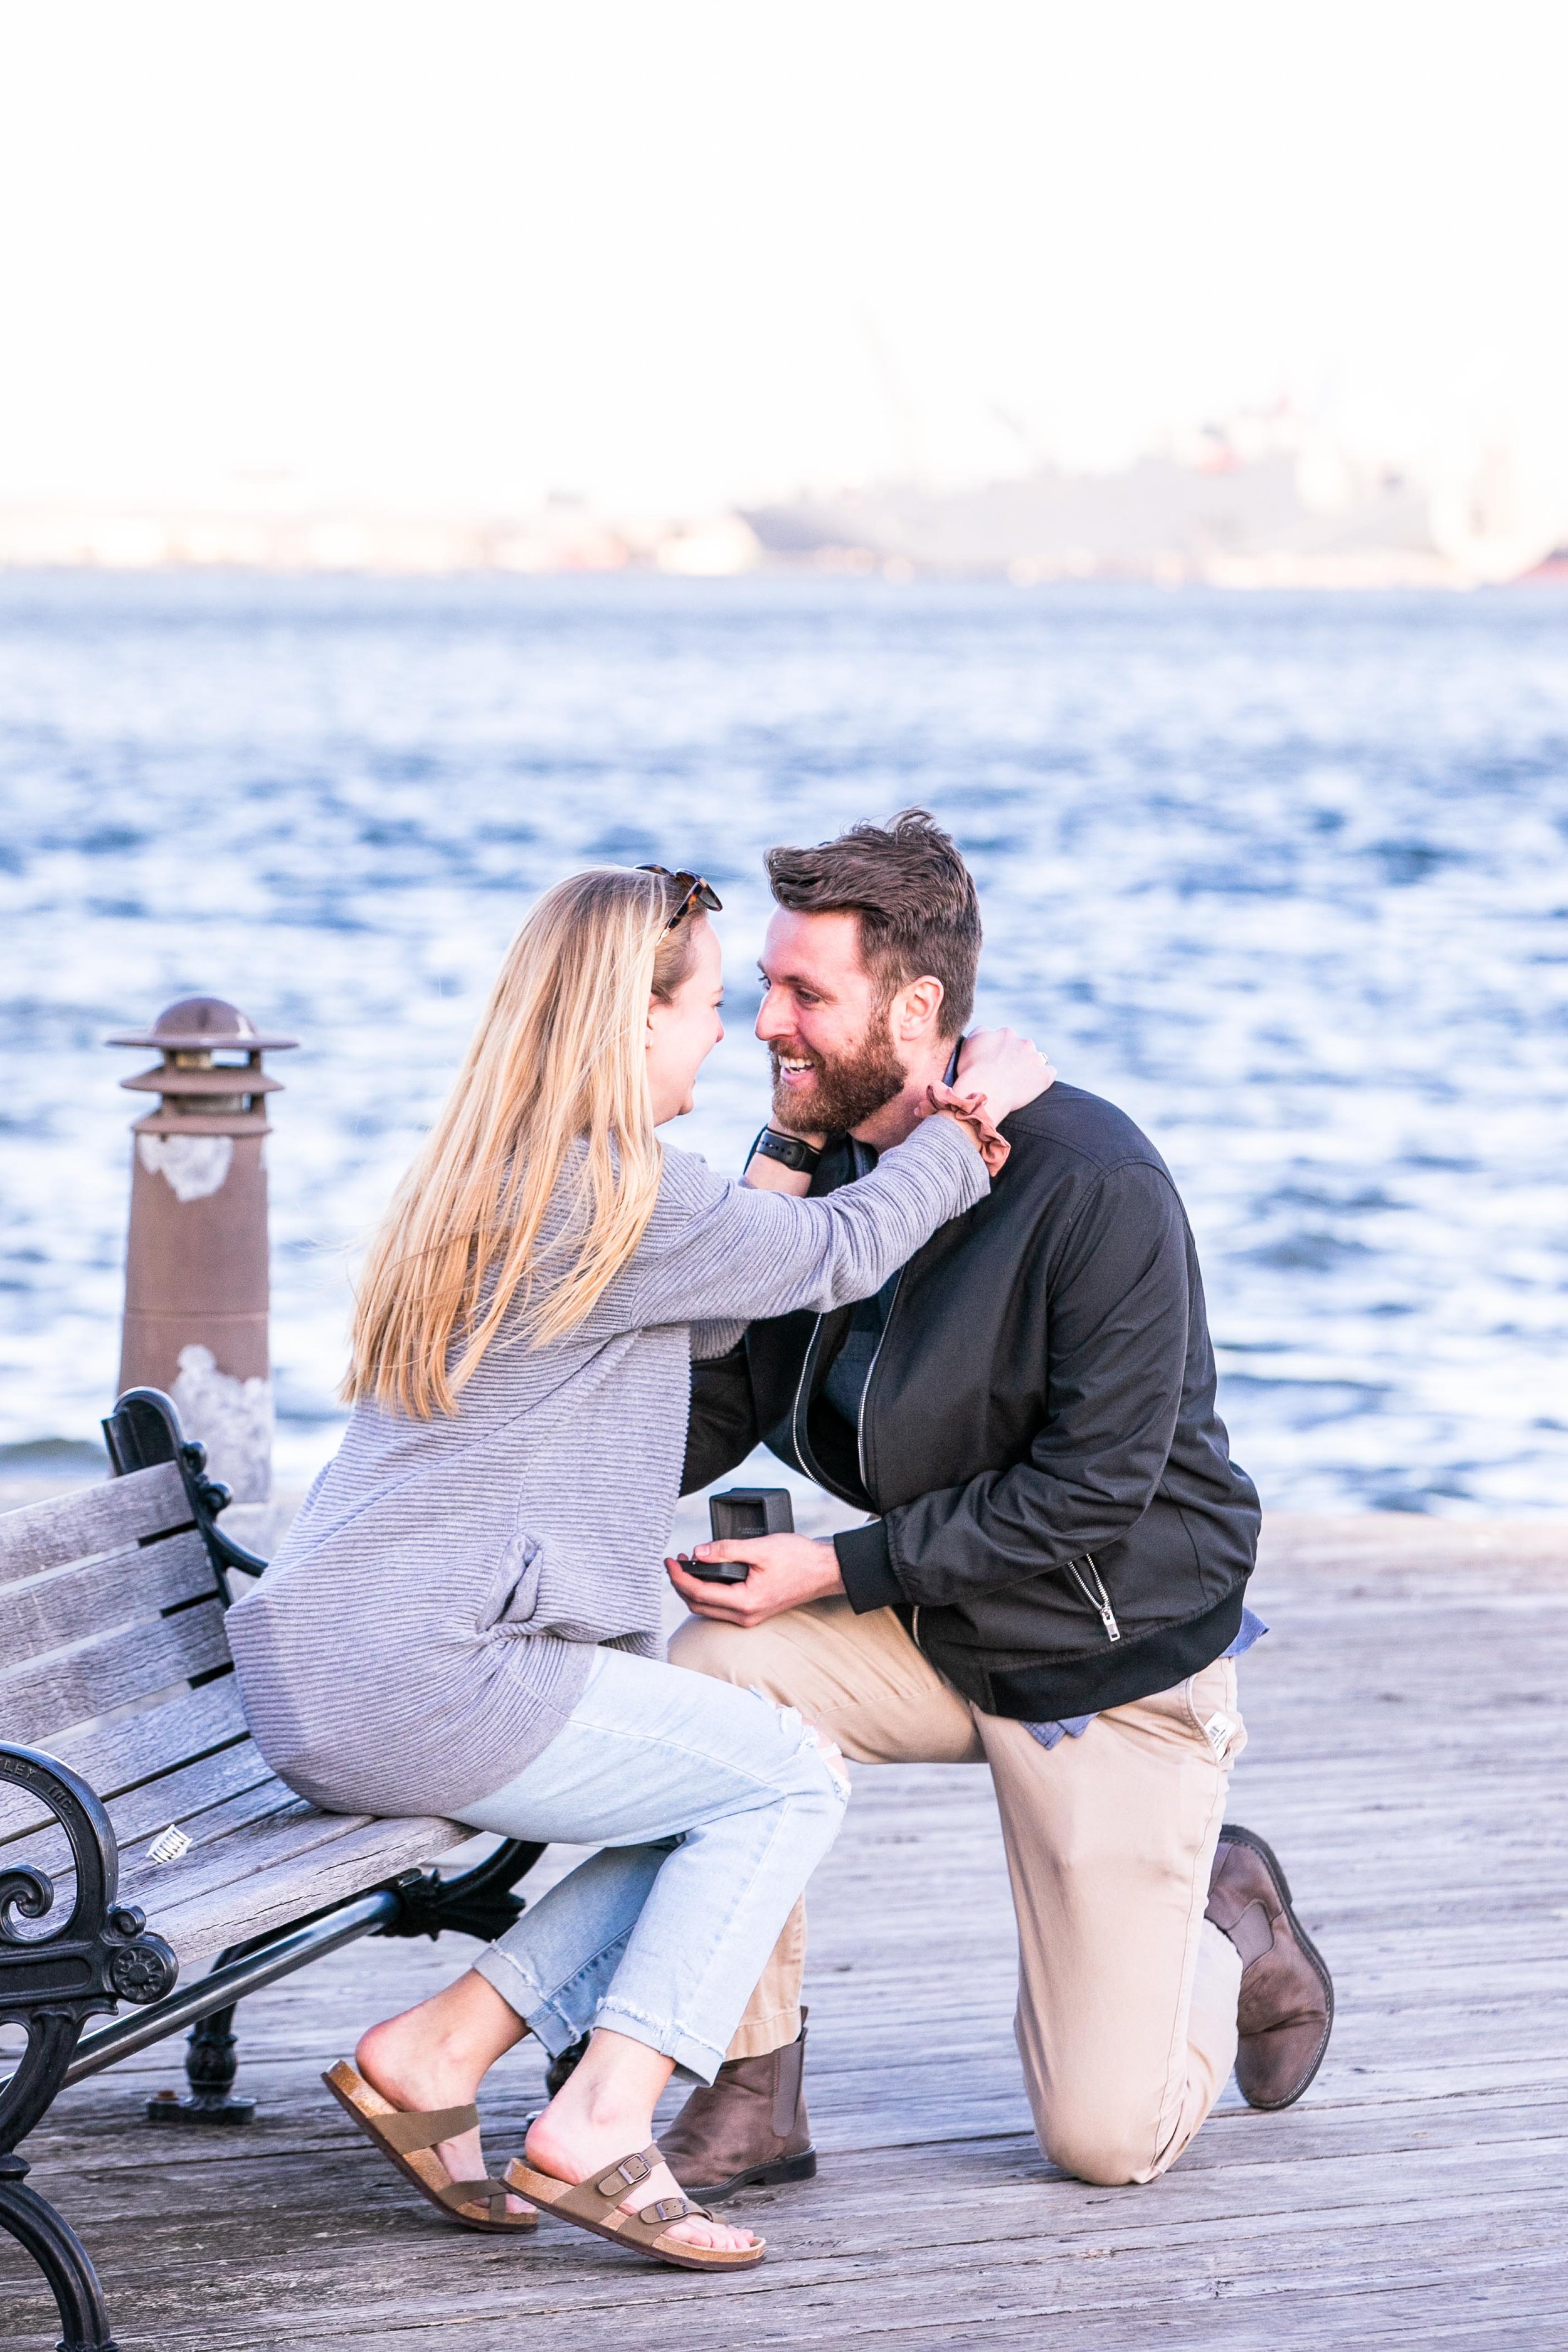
(1127, 1999)
(862, 1681)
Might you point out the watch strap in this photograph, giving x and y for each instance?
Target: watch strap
(789, 1150)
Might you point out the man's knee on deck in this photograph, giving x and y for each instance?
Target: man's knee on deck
(1084, 2126)
(1103, 2149)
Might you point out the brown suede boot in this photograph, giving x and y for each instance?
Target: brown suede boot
(748, 2128)
(1287, 2008)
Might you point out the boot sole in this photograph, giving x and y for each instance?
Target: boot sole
(760, 2175)
(1233, 1836)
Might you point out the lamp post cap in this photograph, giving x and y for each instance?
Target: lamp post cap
(202, 1024)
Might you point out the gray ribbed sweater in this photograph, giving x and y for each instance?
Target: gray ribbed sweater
(424, 1631)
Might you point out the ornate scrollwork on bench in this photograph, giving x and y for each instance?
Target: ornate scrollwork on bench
(477, 1901)
(100, 1954)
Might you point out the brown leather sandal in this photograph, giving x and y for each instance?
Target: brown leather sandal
(596, 2205)
(409, 2138)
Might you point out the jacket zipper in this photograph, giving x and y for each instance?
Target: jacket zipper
(950, 1076)
(802, 1454)
(866, 1392)
(1098, 1599)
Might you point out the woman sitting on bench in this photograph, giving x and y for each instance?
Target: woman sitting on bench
(464, 1619)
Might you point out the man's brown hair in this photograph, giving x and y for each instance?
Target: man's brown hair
(913, 894)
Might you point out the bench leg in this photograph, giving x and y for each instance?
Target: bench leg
(59, 2253)
(210, 2068)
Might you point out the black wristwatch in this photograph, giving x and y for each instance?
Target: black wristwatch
(789, 1150)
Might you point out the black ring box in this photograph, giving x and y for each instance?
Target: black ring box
(736, 1516)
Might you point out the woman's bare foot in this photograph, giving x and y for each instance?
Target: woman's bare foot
(573, 2148)
(605, 2111)
(436, 2056)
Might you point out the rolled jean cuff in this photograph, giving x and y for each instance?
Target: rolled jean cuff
(556, 2019)
(697, 2061)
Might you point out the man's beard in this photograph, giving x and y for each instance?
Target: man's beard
(843, 1094)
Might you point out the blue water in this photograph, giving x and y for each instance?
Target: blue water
(1287, 876)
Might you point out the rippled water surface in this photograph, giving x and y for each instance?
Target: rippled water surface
(1286, 877)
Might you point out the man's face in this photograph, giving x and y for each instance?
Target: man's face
(825, 1027)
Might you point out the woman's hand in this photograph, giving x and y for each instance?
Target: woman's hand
(1008, 1070)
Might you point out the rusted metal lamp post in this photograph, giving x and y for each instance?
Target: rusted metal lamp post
(195, 1263)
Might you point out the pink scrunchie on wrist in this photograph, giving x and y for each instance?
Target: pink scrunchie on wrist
(971, 1113)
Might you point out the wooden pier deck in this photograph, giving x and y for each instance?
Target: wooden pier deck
(1409, 1722)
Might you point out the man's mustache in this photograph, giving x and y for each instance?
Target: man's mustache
(786, 1050)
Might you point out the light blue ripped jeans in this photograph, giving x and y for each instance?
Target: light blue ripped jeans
(713, 1807)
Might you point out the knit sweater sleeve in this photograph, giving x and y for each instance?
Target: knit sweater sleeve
(716, 1250)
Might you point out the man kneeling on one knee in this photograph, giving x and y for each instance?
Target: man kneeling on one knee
(1054, 1582)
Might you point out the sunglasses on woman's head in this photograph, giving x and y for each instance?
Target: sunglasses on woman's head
(699, 893)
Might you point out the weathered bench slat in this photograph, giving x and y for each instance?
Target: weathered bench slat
(151, 1804)
(257, 1835)
(208, 1815)
(50, 1695)
(289, 1838)
(266, 1799)
(98, 1518)
(96, 1595)
(259, 1898)
(171, 1801)
(114, 1757)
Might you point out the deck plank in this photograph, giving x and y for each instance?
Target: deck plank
(1407, 1725)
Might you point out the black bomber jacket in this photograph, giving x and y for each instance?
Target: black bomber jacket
(1060, 1524)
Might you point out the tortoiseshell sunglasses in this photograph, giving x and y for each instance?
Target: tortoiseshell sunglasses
(699, 893)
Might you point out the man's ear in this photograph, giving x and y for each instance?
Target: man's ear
(916, 1008)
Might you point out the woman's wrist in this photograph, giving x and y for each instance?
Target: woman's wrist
(790, 1149)
(966, 1126)
(761, 1175)
(780, 1161)
(970, 1113)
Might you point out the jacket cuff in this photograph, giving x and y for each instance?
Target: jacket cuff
(866, 1564)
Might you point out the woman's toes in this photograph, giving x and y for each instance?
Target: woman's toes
(715, 2237)
(719, 2237)
(695, 2229)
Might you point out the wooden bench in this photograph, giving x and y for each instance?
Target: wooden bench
(141, 1832)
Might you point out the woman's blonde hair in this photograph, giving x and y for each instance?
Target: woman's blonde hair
(557, 1062)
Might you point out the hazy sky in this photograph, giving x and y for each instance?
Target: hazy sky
(677, 251)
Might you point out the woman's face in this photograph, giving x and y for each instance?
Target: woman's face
(683, 1032)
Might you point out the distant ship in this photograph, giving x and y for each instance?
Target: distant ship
(1268, 500)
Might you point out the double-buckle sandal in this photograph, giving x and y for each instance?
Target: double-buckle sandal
(596, 2205)
(410, 2139)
